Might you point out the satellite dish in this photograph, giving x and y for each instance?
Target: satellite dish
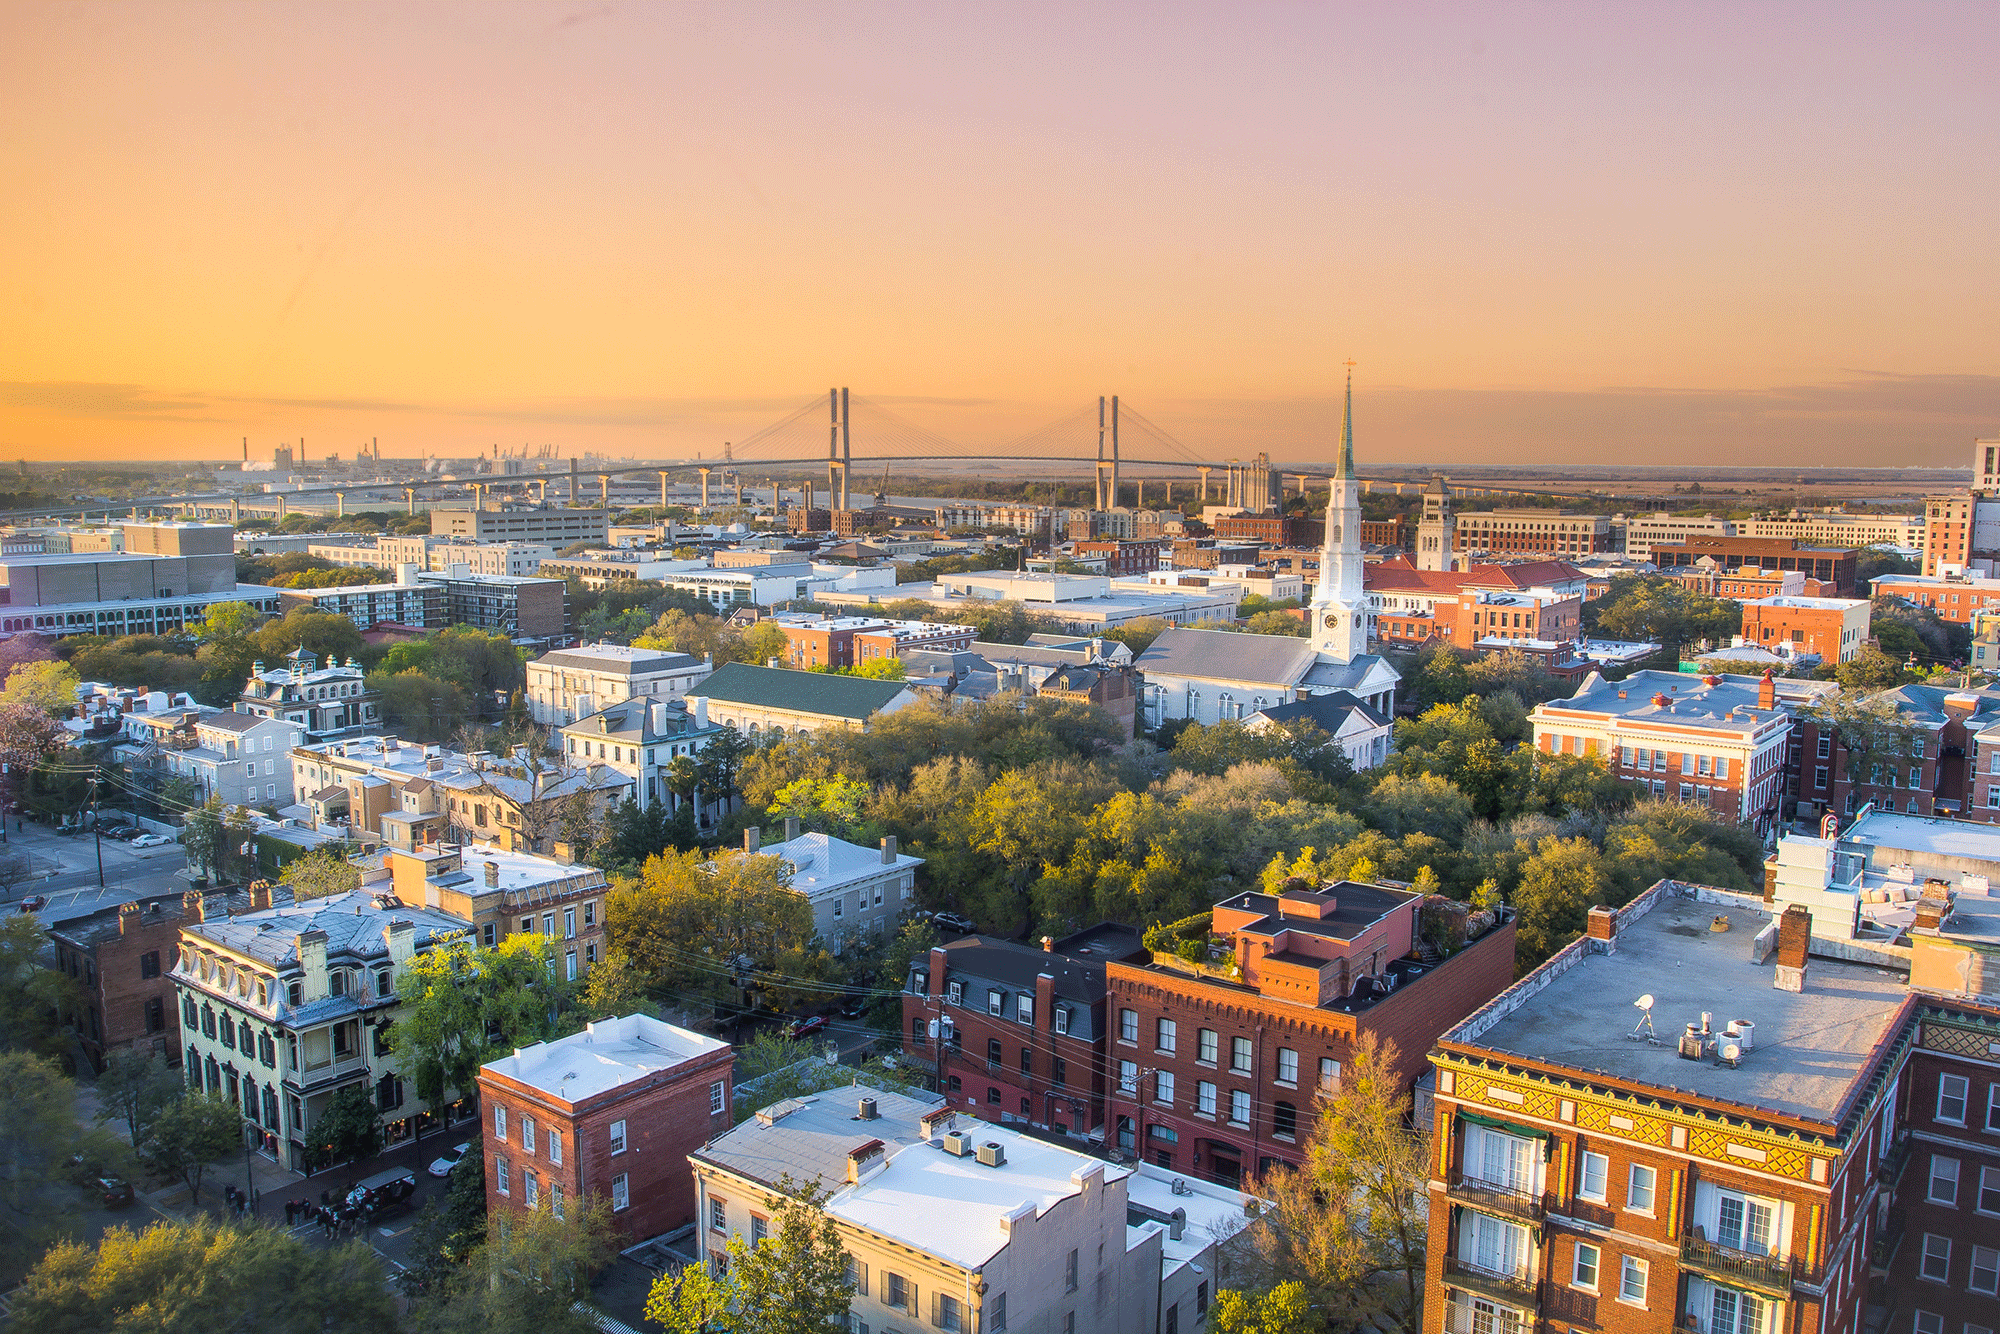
(1645, 1002)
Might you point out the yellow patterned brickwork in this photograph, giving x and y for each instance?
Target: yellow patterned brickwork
(1783, 1156)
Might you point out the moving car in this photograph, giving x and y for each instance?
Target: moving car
(34, 903)
(805, 1026)
(151, 841)
(117, 1192)
(441, 1165)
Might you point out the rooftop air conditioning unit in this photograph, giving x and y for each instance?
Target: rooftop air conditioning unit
(992, 1154)
(957, 1142)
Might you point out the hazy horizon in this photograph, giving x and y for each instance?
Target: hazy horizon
(1565, 234)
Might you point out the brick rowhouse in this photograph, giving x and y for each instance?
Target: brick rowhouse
(610, 1113)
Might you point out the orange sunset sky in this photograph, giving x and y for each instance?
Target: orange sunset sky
(1547, 233)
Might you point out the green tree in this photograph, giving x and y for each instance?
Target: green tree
(48, 686)
(452, 995)
(1441, 678)
(613, 987)
(831, 805)
(1664, 610)
(345, 1129)
(226, 620)
(323, 634)
(135, 1088)
(203, 1275)
(1283, 1310)
(1276, 623)
(33, 999)
(190, 1133)
(1872, 669)
(321, 873)
(1559, 885)
(698, 927)
(1350, 1223)
(794, 1282)
(37, 1135)
(448, 1229)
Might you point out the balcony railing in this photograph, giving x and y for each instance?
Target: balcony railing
(1770, 1274)
(1890, 1170)
(1461, 1318)
(1888, 1240)
(1515, 1289)
(1496, 1197)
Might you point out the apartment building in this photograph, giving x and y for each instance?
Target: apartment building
(1920, 765)
(1720, 741)
(1832, 628)
(517, 606)
(1761, 1138)
(857, 894)
(1747, 582)
(496, 893)
(319, 700)
(1212, 1067)
(285, 1005)
(1011, 1033)
(574, 683)
(851, 641)
(120, 960)
(641, 738)
(1838, 528)
(544, 524)
(236, 758)
(1426, 604)
(954, 1225)
(1532, 532)
(1120, 556)
(609, 1114)
(403, 602)
(440, 554)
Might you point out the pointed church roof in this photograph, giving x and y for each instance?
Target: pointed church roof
(1346, 472)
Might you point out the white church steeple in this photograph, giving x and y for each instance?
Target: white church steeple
(1340, 605)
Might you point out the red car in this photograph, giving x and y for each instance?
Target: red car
(805, 1027)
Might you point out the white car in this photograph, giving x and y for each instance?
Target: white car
(151, 841)
(442, 1166)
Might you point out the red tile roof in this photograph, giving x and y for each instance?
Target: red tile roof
(1398, 574)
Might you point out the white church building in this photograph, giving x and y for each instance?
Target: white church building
(1216, 675)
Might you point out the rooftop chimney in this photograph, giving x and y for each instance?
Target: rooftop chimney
(260, 895)
(889, 850)
(1767, 691)
(791, 827)
(492, 874)
(128, 918)
(753, 839)
(1048, 944)
(1794, 940)
(1600, 924)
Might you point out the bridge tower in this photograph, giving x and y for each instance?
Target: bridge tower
(839, 449)
(1107, 468)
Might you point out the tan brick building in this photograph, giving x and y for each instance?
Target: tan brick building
(610, 1113)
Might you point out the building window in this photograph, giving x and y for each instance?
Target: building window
(1936, 1263)
(1205, 1046)
(1639, 1192)
(1028, 1061)
(1163, 1087)
(1632, 1280)
(149, 965)
(716, 1098)
(1128, 1026)
(621, 1195)
(1024, 1009)
(528, 1133)
(1062, 1019)
(895, 1292)
(760, 1229)
(499, 1122)
(1591, 1181)
(1989, 1190)
(1985, 1271)
(1204, 1098)
(1284, 1121)
(1951, 1096)
(947, 1313)
(996, 1314)
(617, 1136)
(1944, 1181)
(1239, 1107)
(994, 1000)
(1069, 1272)
(718, 1219)
(500, 1173)
(1288, 1067)
(1585, 1274)
(531, 1193)
(955, 992)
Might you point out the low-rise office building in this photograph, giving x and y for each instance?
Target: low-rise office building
(546, 524)
(609, 1114)
(1832, 628)
(772, 701)
(574, 683)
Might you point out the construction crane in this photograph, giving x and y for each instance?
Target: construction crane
(882, 496)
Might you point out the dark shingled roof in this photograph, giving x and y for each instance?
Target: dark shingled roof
(855, 697)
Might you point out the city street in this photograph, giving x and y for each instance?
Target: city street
(64, 868)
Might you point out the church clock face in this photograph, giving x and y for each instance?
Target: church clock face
(1332, 620)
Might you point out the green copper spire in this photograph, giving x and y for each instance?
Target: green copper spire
(1346, 473)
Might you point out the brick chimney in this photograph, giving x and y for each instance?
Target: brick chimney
(791, 827)
(492, 874)
(753, 839)
(260, 894)
(1601, 924)
(191, 905)
(1794, 941)
(937, 970)
(128, 918)
(1767, 691)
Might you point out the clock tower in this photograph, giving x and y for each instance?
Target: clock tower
(1339, 612)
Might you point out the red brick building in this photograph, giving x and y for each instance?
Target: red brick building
(1015, 1034)
(1272, 530)
(1213, 1067)
(849, 641)
(1121, 556)
(1957, 598)
(1833, 628)
(1832, 567)
(120, 958)
(1931, 763)
(610, 1113)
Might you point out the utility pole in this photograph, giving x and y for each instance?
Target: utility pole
(96, 836)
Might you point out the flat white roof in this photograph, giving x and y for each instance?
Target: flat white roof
(1214, 1213)
(1809, 603)
(606, 1055)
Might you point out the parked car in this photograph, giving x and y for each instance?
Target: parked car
(441, 1165)
(853, 1006)
(952, 921)
(151, 841)
(124, 833)
(117, 1193)
(805, 1026)
(34, 903)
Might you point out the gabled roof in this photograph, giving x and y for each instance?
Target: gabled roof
(1399, 575)
(233, 722)
(823, 693)
(1220, 655)
(1329, 712)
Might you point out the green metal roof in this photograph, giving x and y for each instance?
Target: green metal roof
(855, 697)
